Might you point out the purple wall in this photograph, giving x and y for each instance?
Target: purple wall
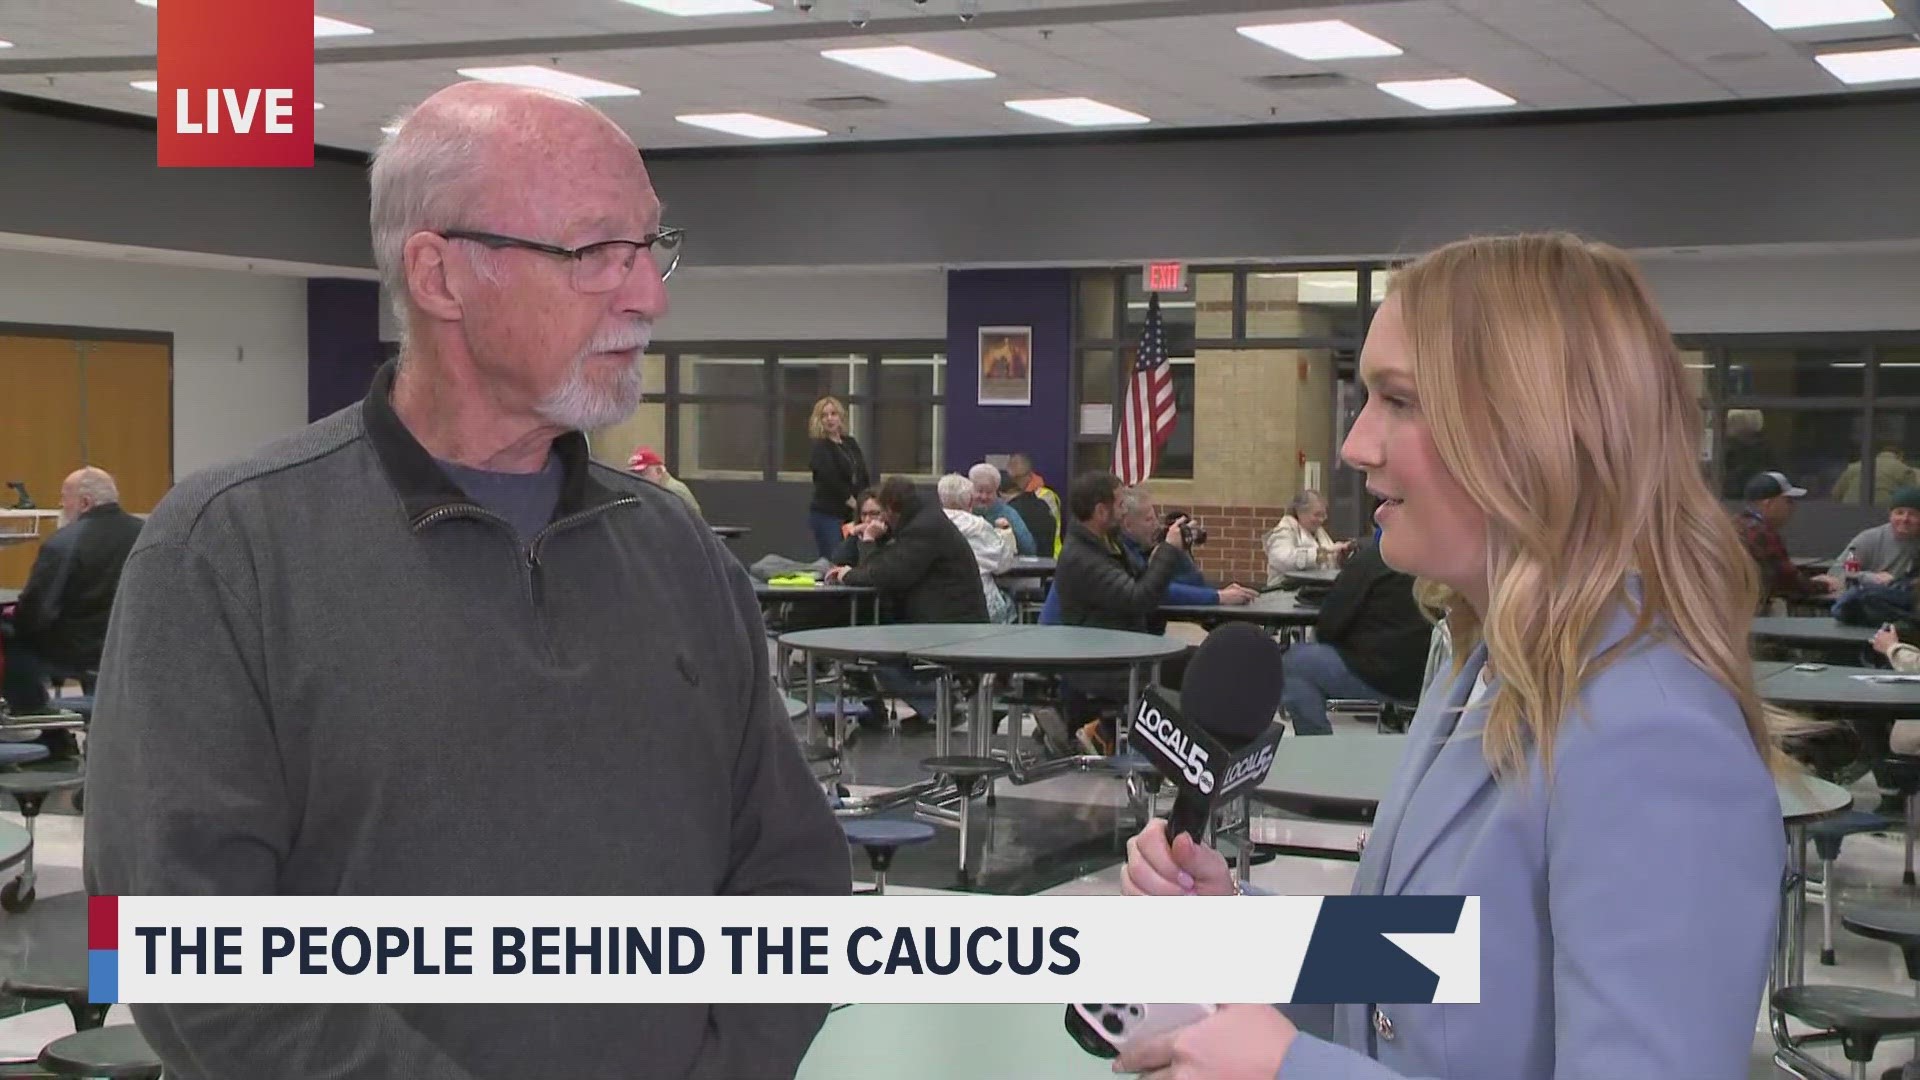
(1043, 300)
(343, 343)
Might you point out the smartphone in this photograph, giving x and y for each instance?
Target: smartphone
(1106, 1030)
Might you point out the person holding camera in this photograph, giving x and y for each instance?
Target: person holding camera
(1098, 582)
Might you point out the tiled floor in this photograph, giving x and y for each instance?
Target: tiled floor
(1063, 835)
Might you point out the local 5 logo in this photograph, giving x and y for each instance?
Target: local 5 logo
(236, 83)
(1177, 746)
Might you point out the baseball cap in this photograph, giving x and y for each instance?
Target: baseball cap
(1766, 485)
(644, 458)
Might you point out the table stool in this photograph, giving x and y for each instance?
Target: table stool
(969, 775)
(881, 837)
(1899, 927)
(1859, 1018)
(1387, 716)
(1827, 834)
(117, 1053)
(30, 791)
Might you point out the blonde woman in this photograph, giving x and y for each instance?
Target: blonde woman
(1300, 540)
(839, 474)
(1595, 764)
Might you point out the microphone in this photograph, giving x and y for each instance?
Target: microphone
(1220, 739)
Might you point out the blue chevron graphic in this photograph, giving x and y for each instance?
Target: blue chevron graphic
(1349, 962)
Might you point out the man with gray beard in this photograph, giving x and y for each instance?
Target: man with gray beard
(427, 647)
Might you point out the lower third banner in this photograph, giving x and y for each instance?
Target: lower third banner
(734, 949)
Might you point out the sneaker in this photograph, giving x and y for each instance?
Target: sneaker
(1054, 732)
(1092, 740)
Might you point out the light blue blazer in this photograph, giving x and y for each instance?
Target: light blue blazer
(1628, 910)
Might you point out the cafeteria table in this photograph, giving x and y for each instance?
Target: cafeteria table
(851, 595)
(1818, 632)
(1272, 609)
(949, 1042)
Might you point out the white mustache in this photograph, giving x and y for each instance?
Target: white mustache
(630, 338)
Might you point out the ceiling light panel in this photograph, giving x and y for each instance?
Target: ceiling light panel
(546, 78)
(1328, 39)
(1077, 112)
(908, 63)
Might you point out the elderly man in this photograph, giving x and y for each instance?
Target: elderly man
(1770, 503)
(993, 546)
(1887, 552)
(60, 623)
(988, 504)
(427, 646)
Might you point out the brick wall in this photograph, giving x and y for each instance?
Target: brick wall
(1233, 551)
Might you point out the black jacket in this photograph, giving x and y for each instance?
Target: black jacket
(1099, 586)
(64, 608)
(1039, 518)
(924, 570)
(1371, 619)
(839, 473)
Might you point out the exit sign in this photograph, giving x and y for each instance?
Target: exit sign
(1166, 277)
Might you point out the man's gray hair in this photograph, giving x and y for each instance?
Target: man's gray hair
(1128, 500)
(423, 178)
(96, 486)
(984, 473)
(956, 492)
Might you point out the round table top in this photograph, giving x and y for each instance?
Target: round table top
(1842, 689)
(1029, 566)
(1052, 648)
(1271, 608)
(1319, 575)
(949, 1042)
(1352, 773)
(730, 532)
(1344, 775)
(46, 947)
(1810, 630)
(887, 642)
(795, 707)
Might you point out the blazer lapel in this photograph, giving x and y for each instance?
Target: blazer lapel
(1426, 737)
(1456, 776)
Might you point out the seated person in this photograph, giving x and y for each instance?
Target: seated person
(1140, 529)
(1021, 476)
(1770, 504)
(1300, 540)
(653, 468)
(988, 504)
(1887, 551)
(925, 573)
(993, 544)
(1035, 512)
(1100, 584)
(848, 553)
(1370, 641)
(60, 622)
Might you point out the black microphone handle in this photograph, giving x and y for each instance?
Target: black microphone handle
(1189, 815)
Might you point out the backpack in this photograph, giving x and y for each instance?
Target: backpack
(1875, 605)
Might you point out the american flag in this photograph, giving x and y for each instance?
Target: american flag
(1147, 423)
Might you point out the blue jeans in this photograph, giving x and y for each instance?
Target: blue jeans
(826, 532)
(898, 681)
(25, 686)
(1315, 673)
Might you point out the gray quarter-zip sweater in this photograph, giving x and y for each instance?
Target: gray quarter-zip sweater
(329, 672)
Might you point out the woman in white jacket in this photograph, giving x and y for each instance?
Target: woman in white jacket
(993, 543)
(1300, 541)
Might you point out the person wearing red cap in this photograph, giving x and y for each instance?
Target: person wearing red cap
(652, 467)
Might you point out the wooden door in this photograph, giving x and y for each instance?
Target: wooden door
(128, 420)
(39, 430)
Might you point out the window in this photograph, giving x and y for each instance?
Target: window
(1813, 447)
(741, 412)
(1176, 458)
(1797, 372)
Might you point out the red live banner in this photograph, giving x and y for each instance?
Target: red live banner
(236, 83)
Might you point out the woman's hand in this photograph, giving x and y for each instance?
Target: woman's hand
(1238, 1042)
(1183, 868)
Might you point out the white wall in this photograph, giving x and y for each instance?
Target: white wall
(1780, 293)
(861, 305)
(239, 340)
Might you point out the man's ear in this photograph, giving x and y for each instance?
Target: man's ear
(425, 258)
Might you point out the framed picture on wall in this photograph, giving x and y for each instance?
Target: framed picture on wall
(1006, 365)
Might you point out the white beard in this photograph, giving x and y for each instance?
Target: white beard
(579, 405)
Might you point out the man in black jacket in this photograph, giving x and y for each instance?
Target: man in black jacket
(1371, 641)
(1098, 585)
(925, 572)
(60, 623)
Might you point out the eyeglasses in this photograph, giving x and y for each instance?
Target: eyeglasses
(597, 268)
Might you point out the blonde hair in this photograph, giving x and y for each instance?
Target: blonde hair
(1558, 400)
(818, 430)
